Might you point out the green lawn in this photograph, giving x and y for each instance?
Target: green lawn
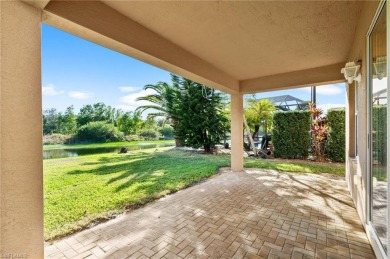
(79, 190)
(297, 166)
(109, 144)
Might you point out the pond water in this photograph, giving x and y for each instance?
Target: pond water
(71, 152)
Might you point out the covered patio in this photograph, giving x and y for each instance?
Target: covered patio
(256, 214)
(238, 48)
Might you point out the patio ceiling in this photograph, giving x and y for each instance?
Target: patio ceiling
(232, 46)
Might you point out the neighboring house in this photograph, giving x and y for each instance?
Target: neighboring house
(235, 47)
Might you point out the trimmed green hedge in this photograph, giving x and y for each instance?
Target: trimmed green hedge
(335, 144)
(379, 114)
(291, 134)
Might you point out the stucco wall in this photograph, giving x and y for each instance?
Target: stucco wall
(358, 166)
(21, 188)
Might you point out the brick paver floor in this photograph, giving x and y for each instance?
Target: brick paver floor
(257, 214)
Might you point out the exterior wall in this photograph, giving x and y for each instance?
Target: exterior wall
(21, 188)
(358, 165)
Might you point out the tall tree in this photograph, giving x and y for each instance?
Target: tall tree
(69, 124)
(163, 102)
(196, 113)
(149, 123)
(52, 121)
(129, 122)
(85, 115)
(202, 121)
(96, 112)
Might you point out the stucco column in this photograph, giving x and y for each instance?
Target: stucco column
(21, 174)
(237, 112)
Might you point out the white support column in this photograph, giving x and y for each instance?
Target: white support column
(237, 117)
(21, 174)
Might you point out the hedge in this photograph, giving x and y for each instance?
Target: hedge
(335, 144)
(379, 119)
(291, 134)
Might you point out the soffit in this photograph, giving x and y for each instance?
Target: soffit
(253, 39)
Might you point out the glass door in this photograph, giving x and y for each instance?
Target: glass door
(378, 129)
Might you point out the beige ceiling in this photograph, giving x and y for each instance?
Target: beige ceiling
(242, 46)
(253, 39)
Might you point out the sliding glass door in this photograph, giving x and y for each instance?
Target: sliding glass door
(377, 105)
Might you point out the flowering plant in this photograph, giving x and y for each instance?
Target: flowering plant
(319, 132)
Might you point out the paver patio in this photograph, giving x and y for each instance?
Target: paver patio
(257, 214)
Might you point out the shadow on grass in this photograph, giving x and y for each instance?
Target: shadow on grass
(153, 172)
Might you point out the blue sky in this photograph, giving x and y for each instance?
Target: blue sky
(78, 72)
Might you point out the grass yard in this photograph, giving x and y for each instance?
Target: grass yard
(81, 190)
(297, 166)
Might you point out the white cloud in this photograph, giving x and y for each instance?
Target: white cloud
(50, 91)
(127, 89)
(327, 106)
(327, 89)
(131, 99)
(80, 94)
(130, 103)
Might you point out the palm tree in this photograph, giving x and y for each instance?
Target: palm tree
(259, 113)
(163, 101)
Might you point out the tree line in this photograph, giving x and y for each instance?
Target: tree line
(68, 122)
(192, 113)
(100, 123)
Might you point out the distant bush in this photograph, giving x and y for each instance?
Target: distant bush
(335, 145)
(149, 134)
(133, 138)
(290, 134)
(166, 132)
(99, 131)
(55, 139)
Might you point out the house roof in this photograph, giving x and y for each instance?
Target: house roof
(287, 102)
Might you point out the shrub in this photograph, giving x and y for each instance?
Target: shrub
(290, 135)
(319, 132)
(379, 127)
(54, 139)
(99, 131)
(166, 132)
(149, 134)
(335, 145)
(133, 138)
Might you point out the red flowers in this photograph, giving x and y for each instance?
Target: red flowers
(319, 132)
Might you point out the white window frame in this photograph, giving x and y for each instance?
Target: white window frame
(371, 232)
